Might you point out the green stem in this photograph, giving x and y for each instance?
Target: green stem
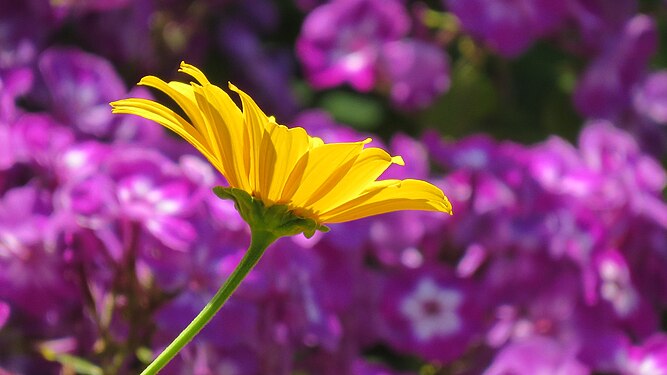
(260, 240)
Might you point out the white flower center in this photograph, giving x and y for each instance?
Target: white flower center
(432, 310)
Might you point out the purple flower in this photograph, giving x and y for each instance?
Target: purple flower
(31, 264)
(604, 89)
(537, 355)
(341, 41)
(509, 26)
(649, 358)
(628, 178)
(417, 72)
(14, 83)
(131, 44)
(616, 288)
(4, 313)
(599, 21)
(81, 86)
(650, 99)
(428, 312)
(152, 190)
(25, 27)
(40, 140)
(103, 185)
(24, 216)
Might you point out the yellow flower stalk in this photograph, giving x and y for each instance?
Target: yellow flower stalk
(282, 180)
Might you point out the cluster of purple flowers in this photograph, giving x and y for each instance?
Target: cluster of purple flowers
(388, 46)
(366, 43)
(111, 240)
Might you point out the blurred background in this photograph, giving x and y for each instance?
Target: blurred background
(545, 122)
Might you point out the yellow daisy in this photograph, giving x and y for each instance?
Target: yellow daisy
(325, 182)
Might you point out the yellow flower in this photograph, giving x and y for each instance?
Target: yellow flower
(325, 182)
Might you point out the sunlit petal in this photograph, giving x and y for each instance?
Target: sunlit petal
(388, 196)
(319, 170)
(370, 164)
(194, 72)
(170, 120)
(255, 126)
(281, 150)
(223, 115)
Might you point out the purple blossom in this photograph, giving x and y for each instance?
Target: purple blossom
(650, 99)
(605, 87)
(600, 21)
(40, 139)
(428, 312)
(31, 263)
(628, 176)
(341, 41)
(14, 83)
(536, 356)
(509, 26)
(152, 190)
(154, 37)
(26, 26)
(618, 290)
(648, 358)
(417, 72)
(81, 86)
(4, 313)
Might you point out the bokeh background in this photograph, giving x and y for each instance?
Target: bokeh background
(545, 122)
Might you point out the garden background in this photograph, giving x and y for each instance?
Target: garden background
(544, 122)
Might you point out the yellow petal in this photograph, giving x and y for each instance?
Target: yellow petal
(225, 120)
(372, 162)
(183, 95)
(169, 119)
(255, 122)
(388, 196)
(281, 149)
(194, 73)
(319, 170)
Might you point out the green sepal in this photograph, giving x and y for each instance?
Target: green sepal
(276, 219)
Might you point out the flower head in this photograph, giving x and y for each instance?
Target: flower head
(277, 165)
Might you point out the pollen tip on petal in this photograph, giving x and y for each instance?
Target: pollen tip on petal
(398, 160)
(367, 141)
